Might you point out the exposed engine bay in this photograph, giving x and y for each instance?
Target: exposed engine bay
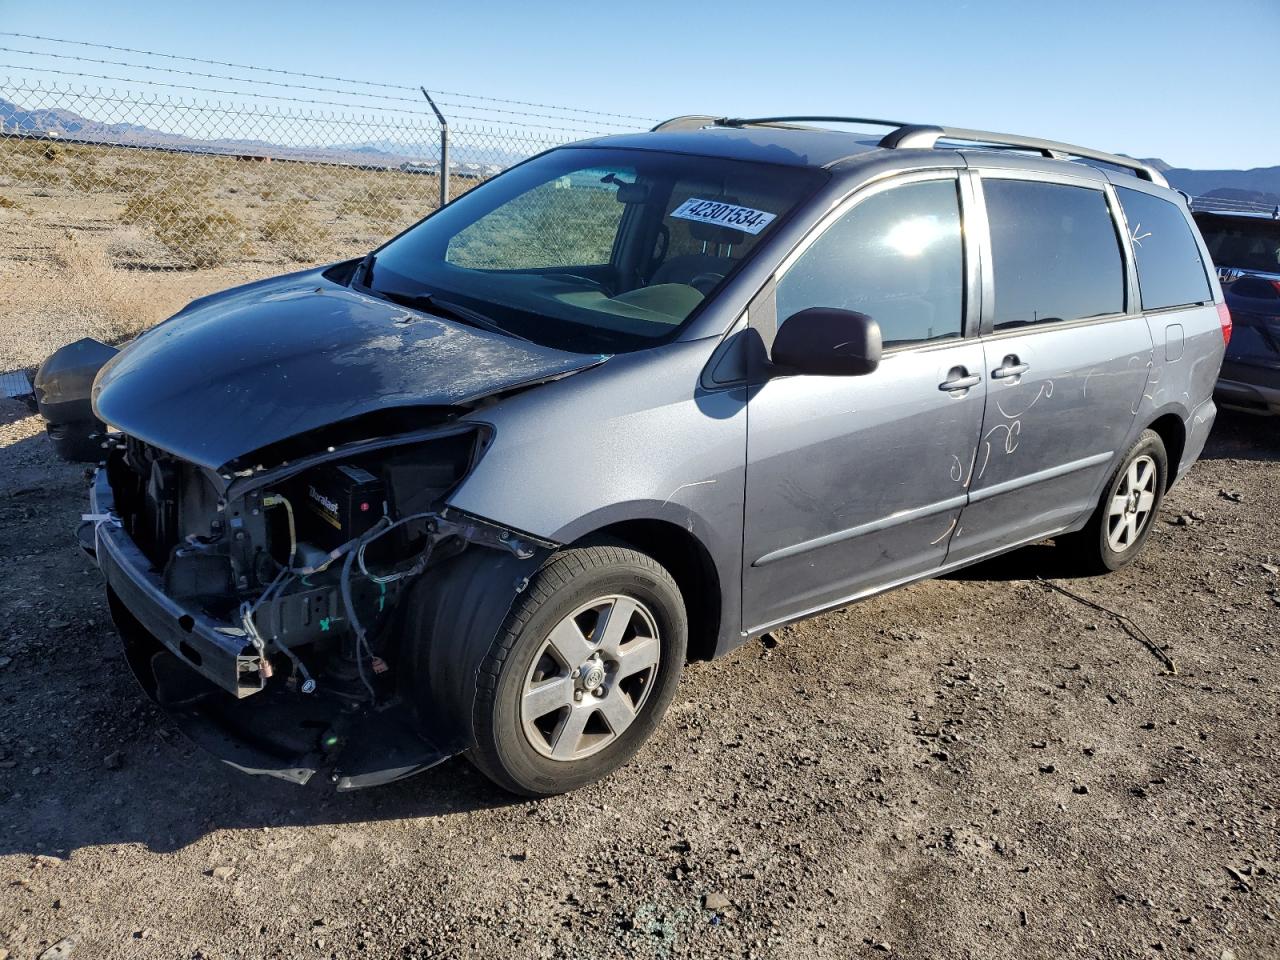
(287, 583)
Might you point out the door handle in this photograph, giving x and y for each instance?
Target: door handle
(959, 379)
(1010, 366)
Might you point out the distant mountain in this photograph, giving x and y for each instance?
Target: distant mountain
(67, 125)
(1261, 184)
(1156, 162)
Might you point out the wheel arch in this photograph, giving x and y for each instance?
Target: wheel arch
(690, 564)
(1172, 431)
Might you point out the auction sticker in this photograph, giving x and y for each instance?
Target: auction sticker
(746, 219)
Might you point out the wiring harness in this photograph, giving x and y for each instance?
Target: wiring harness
(352, 555)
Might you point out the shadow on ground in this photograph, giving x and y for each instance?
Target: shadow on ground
(1243, 436)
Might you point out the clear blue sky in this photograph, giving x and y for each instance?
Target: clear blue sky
(1172, 79)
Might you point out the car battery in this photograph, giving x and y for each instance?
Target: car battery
(339, 502)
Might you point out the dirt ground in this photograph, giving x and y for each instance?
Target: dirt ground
(971, 767)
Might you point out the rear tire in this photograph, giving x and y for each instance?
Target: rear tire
(1123, 519)
(581, 672)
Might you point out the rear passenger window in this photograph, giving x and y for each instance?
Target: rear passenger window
(1170, 271)
(896, 257)
(1055, 253)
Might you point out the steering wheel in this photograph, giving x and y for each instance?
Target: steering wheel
(704, 283)
(598, 284)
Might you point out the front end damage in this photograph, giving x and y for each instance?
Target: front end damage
(266, 608)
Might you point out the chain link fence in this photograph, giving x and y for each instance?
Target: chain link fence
(179, 182)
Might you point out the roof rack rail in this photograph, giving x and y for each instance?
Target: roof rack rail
(906, 136)
(926, 137)
(776, 121)
(698, 121)
(692, 121)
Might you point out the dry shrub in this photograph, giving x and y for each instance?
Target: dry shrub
(132, 246)
(197, 232)
(83, 174)
(204, 238)
(149, 207)
(8, 204)
(38, 174)
(370, 205)
(294, 234)
(76, 293)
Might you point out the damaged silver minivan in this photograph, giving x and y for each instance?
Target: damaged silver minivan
(632, 402)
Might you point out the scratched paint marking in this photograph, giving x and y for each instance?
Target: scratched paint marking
(1046, 391)
(950, 527)
(684, 486)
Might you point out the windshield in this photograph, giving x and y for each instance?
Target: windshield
(592, 250)
(1242, 242)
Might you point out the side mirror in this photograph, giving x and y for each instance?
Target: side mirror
(825, 341)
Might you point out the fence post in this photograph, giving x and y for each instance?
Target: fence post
(444, 148)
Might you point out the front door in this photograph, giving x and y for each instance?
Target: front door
(854, 483)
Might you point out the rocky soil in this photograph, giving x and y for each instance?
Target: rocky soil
(973, 767)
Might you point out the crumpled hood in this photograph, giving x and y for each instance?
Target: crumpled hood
(239, 370)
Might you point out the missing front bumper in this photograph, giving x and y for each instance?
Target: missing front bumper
(220, 690)
(280, 733)
(202, 673)
(219, 652)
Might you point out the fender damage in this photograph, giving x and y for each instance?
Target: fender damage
(278, 553)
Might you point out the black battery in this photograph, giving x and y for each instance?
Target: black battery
(339, 502)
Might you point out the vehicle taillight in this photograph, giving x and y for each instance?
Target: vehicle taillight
(1276, 284)
(1224, 317)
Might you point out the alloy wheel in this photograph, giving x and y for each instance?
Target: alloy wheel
(1131, 504)
(591, 678)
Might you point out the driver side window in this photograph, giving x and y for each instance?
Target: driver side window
(896, 256)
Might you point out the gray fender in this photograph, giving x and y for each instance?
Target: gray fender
(636, 438)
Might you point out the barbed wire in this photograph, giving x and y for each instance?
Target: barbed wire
(286, 99)
(76, 58)
(319, 76)
(99, 95)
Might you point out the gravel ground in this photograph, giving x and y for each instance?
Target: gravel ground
(971, 767)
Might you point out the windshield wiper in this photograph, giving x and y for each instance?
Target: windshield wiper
(364, 271)
(430, 303)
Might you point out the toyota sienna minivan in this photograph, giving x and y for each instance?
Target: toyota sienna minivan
(632, 402)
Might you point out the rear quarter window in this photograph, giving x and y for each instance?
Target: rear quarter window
(1170, 270)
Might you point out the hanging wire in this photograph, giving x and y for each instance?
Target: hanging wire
(320, 76)
(286, 99)
(75, 58)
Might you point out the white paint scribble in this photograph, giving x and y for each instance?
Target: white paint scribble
(1012, 431)
(1046, 391)
(1149, 383)
(944, 533)
(697, 483)
(1084, 392)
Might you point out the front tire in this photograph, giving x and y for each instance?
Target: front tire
(581, 672)
(1126, 513)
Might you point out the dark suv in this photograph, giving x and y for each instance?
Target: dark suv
(1245, 246)
(631, 402)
